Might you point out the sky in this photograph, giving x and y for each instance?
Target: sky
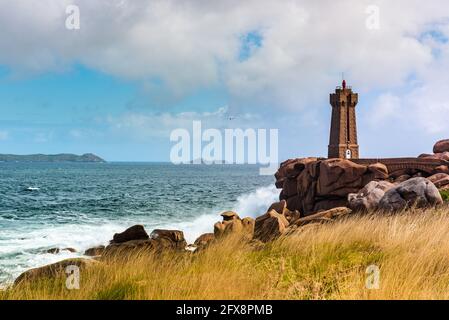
(135, 70)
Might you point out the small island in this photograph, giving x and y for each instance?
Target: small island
(63, 157)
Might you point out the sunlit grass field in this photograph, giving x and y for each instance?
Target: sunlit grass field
(325, 261)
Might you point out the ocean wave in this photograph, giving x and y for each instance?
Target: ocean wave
(251, 204)
(18, 254)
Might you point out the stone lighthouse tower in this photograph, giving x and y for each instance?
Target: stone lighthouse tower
(343, 133)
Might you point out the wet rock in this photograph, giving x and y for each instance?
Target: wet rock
(58, 250)
(136, 232)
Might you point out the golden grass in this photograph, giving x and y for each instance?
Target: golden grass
(319, 262)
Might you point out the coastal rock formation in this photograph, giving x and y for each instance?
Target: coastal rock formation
(53, 270)
(437, 156)
(58, 250)
(323, 216)
(136, 232)
(310, 185)
(317, 218)
(418, 192)
(158, 242)
(232, 224)
(204, 240)
(368, 197)
(441, 146)
(270, 226)
(439, 180)
(168, 239)
(95, 251)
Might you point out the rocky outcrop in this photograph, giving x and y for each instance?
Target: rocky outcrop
(441, 146)
(419, 192)
(95, 251)
(368, 197)
(58, 250)
(53, 270)
(136, 232)
(314, 220)
(204, 240)
(440, 180)
(323, 216)
(233, 225)
(168, 239)
(310, 185)
(159, 241)
(270, 226)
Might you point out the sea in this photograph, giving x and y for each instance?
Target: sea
(81, 205)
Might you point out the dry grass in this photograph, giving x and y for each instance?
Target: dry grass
(320, 262)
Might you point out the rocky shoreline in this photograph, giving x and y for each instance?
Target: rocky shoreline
(314, 191)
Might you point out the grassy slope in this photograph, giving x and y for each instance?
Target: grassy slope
(320, 262)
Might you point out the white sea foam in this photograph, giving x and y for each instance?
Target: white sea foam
(252, 204)
(28, 251)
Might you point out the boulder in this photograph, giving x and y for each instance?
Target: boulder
(418, 192)
(339, 177)
(230, 215)
(438, 156)
(402, 178)
(168, 239)
(279, 207)
(204, 240)
(95, 251)
(439, 180)
(53, 270)
(136, 232)
(58, 250)
(290, 169)
(129, 247)
(441, 169)
(270, 226)
(233, 225)
(323, 216)
(441, 146)
(442, 155)
(368, 198)
(292, 215)
(158, 242)
(378, 170)
(323, 184)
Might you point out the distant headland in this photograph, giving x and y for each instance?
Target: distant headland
(63, 157)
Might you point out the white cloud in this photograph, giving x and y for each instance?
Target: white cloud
(191, 44)
(144, 126)
(177, 47)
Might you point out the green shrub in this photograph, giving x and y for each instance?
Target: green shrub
(445, 195)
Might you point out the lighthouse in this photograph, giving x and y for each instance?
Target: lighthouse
(343, 131)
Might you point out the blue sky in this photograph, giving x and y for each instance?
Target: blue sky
(119, 85)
